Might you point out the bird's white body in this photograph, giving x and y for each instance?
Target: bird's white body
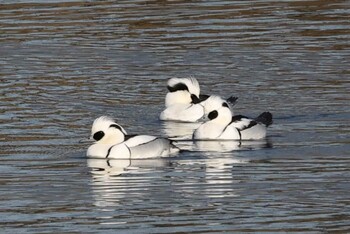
(255, 132)
(180, 91)
(223, 126)
(217, 128)
(210, 131)
(182, 97)
(183, 113)
(184, 103)
(179, 105)
(115, 144)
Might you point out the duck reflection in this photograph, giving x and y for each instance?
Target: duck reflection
(115, 167)
(230, 145)
(181, 133)
(179, 130)
(217, 146)
(108, 168)
(112, 181)
(125, 183)
(220, 159)
(255, 144)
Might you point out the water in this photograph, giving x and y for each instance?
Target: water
(65, 63)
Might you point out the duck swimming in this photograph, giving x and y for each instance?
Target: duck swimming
(183, 102)
(222, 125)
(112, 142)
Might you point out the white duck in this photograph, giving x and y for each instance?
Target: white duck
(179, 101)
(183, 102)
(112, 142)
(223, 126)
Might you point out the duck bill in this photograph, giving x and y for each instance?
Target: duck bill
(204, 118)
(87, 140)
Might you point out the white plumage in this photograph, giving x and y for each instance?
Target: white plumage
(184, 102)
(179, 101)
(112, 142)
(223, 126)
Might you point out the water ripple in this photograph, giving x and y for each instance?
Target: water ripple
(65, 63)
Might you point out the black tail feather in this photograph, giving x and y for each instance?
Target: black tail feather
(232, 100)
(265, 118)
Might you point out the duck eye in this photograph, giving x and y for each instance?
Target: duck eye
(212, 115)
(98, 135)
(225, 104)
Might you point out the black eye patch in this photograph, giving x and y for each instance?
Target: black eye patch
(177, 87)
(212, 115)
(224, 104)
(98, 135)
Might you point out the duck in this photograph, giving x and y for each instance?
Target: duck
(221, 124)
(111, 141)
(184, 103)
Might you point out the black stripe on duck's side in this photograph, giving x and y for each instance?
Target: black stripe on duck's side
(251, 124)
(127, 137)
(237, 118)
(238, 130)
(145, 143)
(110, 149)
(222, 132)
(177, 87)
(240, 134)
(129, 151)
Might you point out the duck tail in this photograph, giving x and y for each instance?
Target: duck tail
(232, 100)
(265, 118)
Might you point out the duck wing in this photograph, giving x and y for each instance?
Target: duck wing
(242, 122)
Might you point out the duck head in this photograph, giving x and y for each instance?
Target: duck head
(217, 110)
(106, 131)
(182, 91)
